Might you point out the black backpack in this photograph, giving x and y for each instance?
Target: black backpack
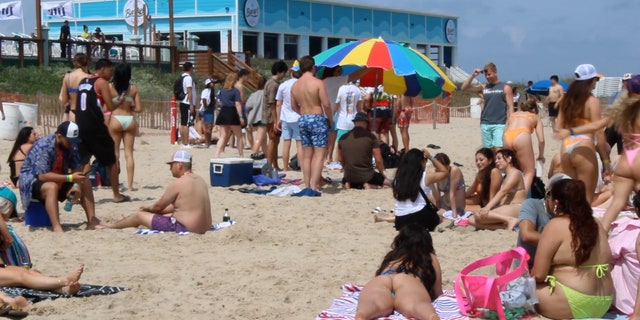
(389, 156)
(178, 90)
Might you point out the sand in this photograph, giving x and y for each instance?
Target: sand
(286, 258)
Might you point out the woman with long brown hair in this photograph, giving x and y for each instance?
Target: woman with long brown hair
(230, 119)
(572, 268)
(578, 152)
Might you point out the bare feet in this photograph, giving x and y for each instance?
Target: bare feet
(72, 285)
(511, 225)
(377, 218)
(93, 224)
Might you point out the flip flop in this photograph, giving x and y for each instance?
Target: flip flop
(125, 198)
(433, 146)
(458, 164)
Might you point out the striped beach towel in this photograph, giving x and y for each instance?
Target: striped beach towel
(17, 254)
(344, 308)
(214, 227)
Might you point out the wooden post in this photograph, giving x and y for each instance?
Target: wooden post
(39, 33)
(174, 63)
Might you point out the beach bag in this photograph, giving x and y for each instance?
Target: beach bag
(178, 90)
(508, 294)
(17, 254)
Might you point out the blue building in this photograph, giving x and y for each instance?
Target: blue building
(282, 29)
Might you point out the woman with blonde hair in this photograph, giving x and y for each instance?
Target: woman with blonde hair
(577, 107)
(230, 119)
(517, 137)
(123, 126)
(70, 81)
(503, 209)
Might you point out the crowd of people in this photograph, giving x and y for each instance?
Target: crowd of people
(570, 250)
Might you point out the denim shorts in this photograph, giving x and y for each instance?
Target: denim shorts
(290, 130)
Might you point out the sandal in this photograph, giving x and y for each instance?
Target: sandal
(433, 146)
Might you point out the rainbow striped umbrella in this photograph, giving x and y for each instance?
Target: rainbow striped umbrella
(398, 67)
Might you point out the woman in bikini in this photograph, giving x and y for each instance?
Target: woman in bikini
(517, 137)
(123, 126)
(27, 136)
(408, 279)
(450, 191)
(503, 209)
(572, 268)
(578, 106)
(70, 81)
(487, 181)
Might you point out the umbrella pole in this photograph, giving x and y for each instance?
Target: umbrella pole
(375, 105)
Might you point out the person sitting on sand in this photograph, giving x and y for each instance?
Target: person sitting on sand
(411, 189)
(355, 150)
(27, 136)
(534, 216)
(450, 192)
(487, 181)
(52, 171)
(503, 209)
(408, 279)
(517, 137)
(572, 268)
(184, 206)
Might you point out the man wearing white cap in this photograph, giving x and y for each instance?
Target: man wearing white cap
(52, 171)
(184, 206)
(534, 216)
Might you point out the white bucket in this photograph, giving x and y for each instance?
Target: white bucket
(10, 126)
(29, 114)
(476, 109)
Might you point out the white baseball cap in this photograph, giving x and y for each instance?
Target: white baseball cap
(585, 72)
(206, 82)
(181, 156)
(627, 76)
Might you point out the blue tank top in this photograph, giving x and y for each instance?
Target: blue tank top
(495, 105)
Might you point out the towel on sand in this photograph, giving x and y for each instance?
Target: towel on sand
(38, 295)
(214, 227)
(344, 308)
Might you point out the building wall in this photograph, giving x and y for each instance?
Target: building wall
(301, 18)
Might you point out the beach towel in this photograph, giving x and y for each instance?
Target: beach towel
(17, 254)
(262, 180)
(214, 227)
(284, 191)
(86, 290)
(344, 308)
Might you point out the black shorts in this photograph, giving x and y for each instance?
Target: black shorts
(98, 144)
(62, 192)
(228, 116)
(422, 218)
(613, 138)
(184, 113)
(376, 180)
(553, 112)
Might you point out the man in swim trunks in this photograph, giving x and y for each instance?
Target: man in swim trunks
(184, 206)
(498, 105)
(309, 98)
(556, 91)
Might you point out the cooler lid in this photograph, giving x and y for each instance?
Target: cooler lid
(231, 160)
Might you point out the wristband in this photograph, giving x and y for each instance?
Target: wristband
(571, 131)
(76, 184)
(606, 161)
(69, 178)
(432, 158)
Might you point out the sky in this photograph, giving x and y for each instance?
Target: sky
(527, 40)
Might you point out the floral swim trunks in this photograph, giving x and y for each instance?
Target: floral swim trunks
(314, 130)
(163, 223)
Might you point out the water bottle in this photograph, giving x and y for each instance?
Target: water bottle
(274, 173)
(69, 204)
(226, 217)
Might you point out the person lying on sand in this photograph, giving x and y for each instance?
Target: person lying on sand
(184, 206)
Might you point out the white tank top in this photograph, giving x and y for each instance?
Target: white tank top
(406, 207)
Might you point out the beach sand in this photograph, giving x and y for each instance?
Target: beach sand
(286, 258)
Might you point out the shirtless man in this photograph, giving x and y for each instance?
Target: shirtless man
(309, 98)
(556, 91)
(184, 206)
(70, 82)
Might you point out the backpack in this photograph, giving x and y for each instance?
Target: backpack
(390, 157)
(178, 90)
(212, 99)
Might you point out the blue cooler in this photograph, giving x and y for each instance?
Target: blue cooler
(226, 172)
(36, 215)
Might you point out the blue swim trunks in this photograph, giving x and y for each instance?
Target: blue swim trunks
(162, 223)
(314, 130)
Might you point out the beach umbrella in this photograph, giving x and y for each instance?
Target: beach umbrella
(542, 87)
(398, 67)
